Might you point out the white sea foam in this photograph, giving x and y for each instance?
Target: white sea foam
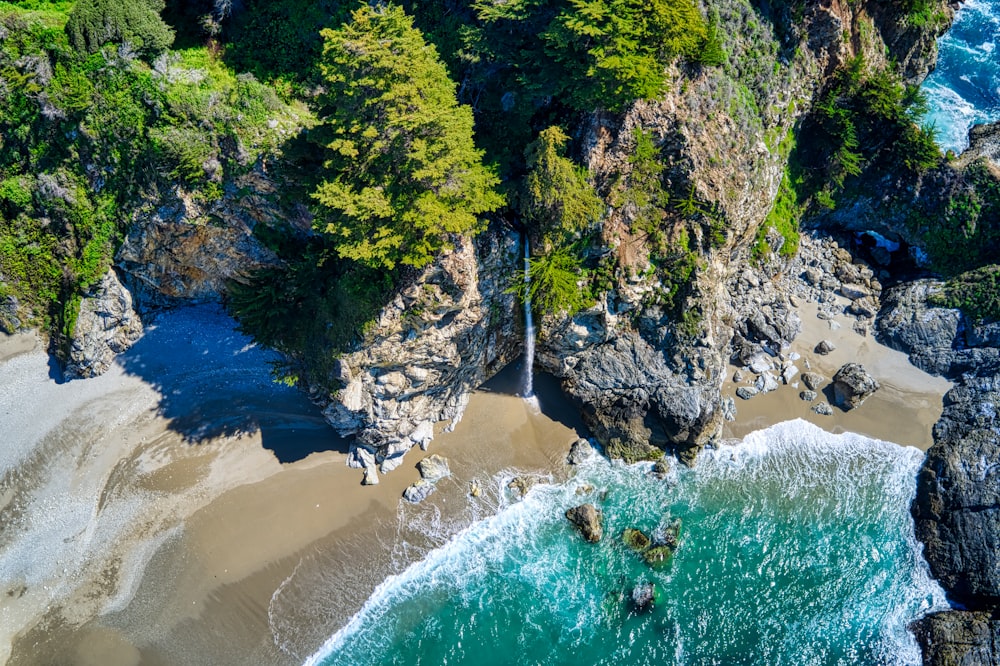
(782, 462)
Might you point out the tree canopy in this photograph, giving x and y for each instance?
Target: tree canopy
(556, 196)
(403, 174)
(94, 23)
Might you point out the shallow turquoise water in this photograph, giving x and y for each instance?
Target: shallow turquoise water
(797, 549)
(964, 89)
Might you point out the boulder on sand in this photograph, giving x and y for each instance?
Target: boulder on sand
(852, 385)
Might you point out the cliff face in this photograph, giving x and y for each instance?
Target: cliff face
(182, 249)
(723, 134)
(956, 510)
(441, 337)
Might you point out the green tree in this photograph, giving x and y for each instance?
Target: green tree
(94, 23)
(404, 174)
(556, 197)
(615, 51)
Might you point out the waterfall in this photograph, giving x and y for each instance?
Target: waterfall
(529, 328)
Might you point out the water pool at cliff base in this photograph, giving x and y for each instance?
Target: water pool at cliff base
(797, 548)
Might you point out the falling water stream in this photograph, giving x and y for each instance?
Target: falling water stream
(529, 328)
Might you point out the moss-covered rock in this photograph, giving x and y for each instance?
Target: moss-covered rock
(636, 539)
(632, 451)
(659, 557)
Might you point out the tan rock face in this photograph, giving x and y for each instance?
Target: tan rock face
(189, 251)
(106, 326)
(440, 338)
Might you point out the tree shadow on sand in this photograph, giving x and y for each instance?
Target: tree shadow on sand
(215, 382)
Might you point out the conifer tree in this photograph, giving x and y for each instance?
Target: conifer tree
(94, 23)
(403, 174)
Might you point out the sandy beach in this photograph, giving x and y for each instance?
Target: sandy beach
(148, 520)
(903, 410)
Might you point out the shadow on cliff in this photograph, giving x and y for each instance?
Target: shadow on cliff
(215, 382)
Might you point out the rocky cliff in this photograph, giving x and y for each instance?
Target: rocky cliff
(440, 337)
(957, 507)
(641, 371)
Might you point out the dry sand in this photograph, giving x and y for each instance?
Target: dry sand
(903, 410)
(144, 524)
(179, 545)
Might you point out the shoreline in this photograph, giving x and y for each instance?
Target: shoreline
(262, 562)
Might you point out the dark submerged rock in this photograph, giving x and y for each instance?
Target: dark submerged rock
(644, 597)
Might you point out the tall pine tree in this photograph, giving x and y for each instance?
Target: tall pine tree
(403, 172)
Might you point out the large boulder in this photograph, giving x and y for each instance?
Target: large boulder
(419, 491)
(959, 638)
(580, 452)
(852, 385)
(588, 520)
(106, 326)
(628, 393)
(433, 468)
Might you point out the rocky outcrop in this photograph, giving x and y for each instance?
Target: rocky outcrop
(852, 385)
(959, 638)
(188, 250)
(588, 520)
(10, 320)
(106, 326)
(627, 392)
(580, 452)
(932, 336)
(956, 510)
(438, 339)
(984, 142)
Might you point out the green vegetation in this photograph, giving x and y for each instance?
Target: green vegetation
(869, 118)
(556, 200)
(632, 451)
(556, 281)
(788, 205)
(976, 293)
(89, 138)
(959, 221)
(404, 174)
(94, 23)
(615, 51)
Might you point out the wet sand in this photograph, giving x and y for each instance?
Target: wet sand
(194, 545)
(903, 410)
(180, 539)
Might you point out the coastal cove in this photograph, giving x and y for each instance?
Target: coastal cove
(612, 332)
(282, 556)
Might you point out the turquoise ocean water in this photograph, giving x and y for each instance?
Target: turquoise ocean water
(797, 548)
(964, 89)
